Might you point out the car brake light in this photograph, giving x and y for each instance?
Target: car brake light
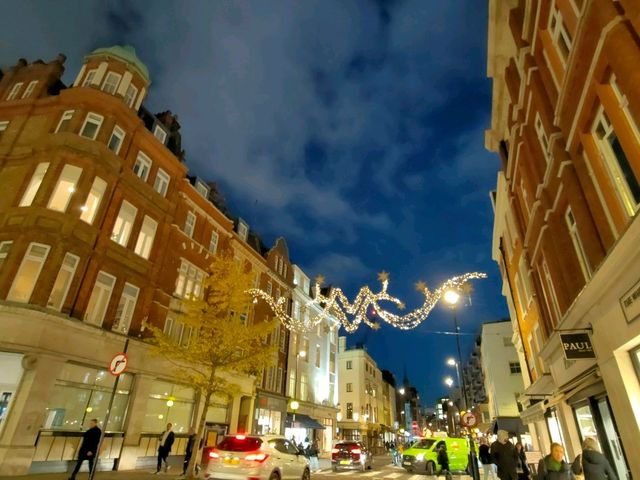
(335, 450)
(214, 454)
(357, 451)
(257, 457)
(241, 437)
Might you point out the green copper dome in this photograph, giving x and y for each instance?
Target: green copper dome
(128, 55)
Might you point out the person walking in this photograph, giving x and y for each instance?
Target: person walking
(188, 452)
(593, 464)
(522, 469)
(166, 442)
(504, 455)
(553, 466)
(443, 460)
(88, 447)
(312, 453)
(488, 467)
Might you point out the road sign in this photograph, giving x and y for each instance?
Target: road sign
(469, 419)
(118, 364)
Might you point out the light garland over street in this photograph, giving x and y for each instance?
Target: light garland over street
(351, 315)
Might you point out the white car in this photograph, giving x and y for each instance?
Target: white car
(256, 457)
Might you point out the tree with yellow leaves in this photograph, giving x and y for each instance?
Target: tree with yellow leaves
(225, 341)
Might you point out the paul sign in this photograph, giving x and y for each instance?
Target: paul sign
(577, 345)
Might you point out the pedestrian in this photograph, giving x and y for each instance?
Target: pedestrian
(88, 447)
(593, 464)
(443, 460)
(166, 442)
(188, 452)
(553, 466)
(312, 451)
(504, 455)
(488, 467)
(522, 469)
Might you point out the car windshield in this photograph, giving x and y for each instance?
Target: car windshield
(239, 443)
(424, 443)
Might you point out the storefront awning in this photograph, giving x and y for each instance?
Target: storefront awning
(303, 421)
(542, 387)
(513, 425)
(533, 413)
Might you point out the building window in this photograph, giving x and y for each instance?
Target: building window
(91, 126)
(63, 281)
(577, 244)
(269, 287)
(292, 383)
(514, 367)
(523, 271)
(65, 188)
(126, 306)
(190, 224)
(13, 94)
(617, 164)
(30, 88)
(318, 356)
(3, 127)
(99, 300)
(5, 248)
(213, 243)
(635, 356)
(550, 293)
(349, 387)
(179, 332)
(131, 94)
(91, 205)
(349, 365)
(243, 230)
(115, 142)
(34, 184)
(202, 188)
(542, 137)
(305, 348)
(189, 280)
(161, 184)
(283, 339)
(142, 166)
(111, 82)
(279, 380)
(304, 387)
(88, 80)
(65, 120)
(25, 280)
(124, 223)
(559, 32)
(349, 411)
(160, 134)
(145, 237)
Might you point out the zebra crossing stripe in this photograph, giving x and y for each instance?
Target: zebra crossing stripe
(416, 477)
(373, 473)
(394, 475)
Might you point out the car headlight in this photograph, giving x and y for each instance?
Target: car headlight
(420, 457)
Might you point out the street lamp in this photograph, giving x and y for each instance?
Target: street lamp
(448, 381)
(294, 406)
(401, 390)
(452, 297)
(452, 363)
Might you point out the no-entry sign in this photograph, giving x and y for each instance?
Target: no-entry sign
(118, 364)
(469, 419)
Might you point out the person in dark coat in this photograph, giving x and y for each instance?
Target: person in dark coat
(188, 451)
(592, 463)
(522, 469)
(443, 460)
(553, 466)
(166, 442)
(88, 448)
(504, 455)
(484, 453)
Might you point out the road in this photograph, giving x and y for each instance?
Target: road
(382, 469)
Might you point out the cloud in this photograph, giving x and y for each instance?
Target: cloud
(338, 269)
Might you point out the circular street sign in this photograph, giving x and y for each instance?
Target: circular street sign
(469, 419)
(118, 364)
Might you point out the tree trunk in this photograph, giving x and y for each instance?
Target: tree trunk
(197, 451)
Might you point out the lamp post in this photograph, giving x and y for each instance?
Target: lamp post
(452, 363)
(452, 297)
(294, 404)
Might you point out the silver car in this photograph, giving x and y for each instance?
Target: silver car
(256, 457)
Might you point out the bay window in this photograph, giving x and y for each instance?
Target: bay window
(99, 300)
(63, 281)
(91, 205)
(25, 280)
(125, 309)
(146, 236)
(65, 188)
(124, 223)
(34, 184)
(91, 126)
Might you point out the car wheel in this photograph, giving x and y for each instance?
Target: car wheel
(431, 468)
(306, 475)
(274, 476)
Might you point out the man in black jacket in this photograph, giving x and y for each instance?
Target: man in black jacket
(504, 455)
(88, 448)
(166, 442)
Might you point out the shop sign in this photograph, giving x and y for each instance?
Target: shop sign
(577, 345)
(630, 303)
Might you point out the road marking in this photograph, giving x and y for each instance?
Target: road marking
(373, 473)
(394, 475)
(416, 477)
(350, 472)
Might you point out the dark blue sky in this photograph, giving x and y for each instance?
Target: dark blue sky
(352, 128)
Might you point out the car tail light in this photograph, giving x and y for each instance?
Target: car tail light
(356, 451)
(241, 437)
(257, 457)
(213, 454)
(335, 450)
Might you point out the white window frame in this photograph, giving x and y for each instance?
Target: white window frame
(96, 120)
(123, 226)
(3, 127)
(106, 79)
(213, 242)
(29, 257)
(30, 88)
(550, 291)
(523, 270)
(161, 183)
(190, 224)
(130, 95)
(243, 231)
(142, 165)
(88, 79)
(65, 188)
(126, 308)
(559, 32)
(543, 138)
(34, 185)
(101, 303)
(146, 237)
(67, 115)
(5, 249)
(67, 268)
(119, 134)
(202, 188)
(94, 198)
(160, 134)
(189, 281)
(13, 94)
(572, 226)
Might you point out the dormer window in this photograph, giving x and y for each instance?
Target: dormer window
(13, 94)
(111, 83)
(202, 188)
(30, 88)
(88, 80)
(243, 230)
(130, 96)
(160, 134)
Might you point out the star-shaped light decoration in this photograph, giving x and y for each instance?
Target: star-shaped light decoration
(420, 286)
(319, 280)
(383, 276)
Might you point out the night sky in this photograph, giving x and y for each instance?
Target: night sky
(352, 128)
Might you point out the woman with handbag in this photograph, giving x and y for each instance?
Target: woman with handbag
(591, 464)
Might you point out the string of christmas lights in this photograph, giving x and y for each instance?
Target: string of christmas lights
(366, 303)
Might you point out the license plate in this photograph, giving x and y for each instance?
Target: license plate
(344, 462)
(406, 463)
(231, 461)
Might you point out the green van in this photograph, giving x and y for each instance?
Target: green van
(422, 456)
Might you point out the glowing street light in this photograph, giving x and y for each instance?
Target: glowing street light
(451, 362)
(451, 297)
(448, 381)
(401, 391)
